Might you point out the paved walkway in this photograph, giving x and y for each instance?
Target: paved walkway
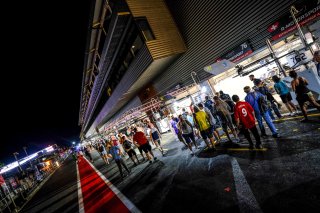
(282, 177)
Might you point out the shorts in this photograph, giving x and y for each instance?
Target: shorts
(180, 136)
(155, 136)
(302, 98)
(131, 152)
(146, 147)
(103, 153)
(206, 133)
(188, 137)
(286, 98)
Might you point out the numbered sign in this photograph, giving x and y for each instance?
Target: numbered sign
(299, 58)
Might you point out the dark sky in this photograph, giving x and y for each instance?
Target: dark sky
(42, 62)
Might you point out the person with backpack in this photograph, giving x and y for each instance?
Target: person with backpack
(271, 101)
(128, 147)
(223, 111)
(209, 104)
(186, 129)
(260, 106)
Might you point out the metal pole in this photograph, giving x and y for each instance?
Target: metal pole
(15, 156)
(194, 76)
(269, 45)
(25, 150)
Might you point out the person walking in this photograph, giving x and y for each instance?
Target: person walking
(128, 147)
(272, 101)
(186, 129)
(115, 152)
(103, 153)
(140, 139)
(174, 121)
(260, 106)
(202, 121)
(224, 113)
(213, 123)
(87, 152)
(155, 136)
(299, 86)
(244, 118)
(281, 88)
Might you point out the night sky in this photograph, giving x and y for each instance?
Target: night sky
(42, 62)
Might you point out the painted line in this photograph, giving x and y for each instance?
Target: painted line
(238, 149)
(80, 197)
(246, 199)
(245, 149)
(129, 205)
(296, 117)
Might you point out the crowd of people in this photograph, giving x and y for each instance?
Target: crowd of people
(202, 120)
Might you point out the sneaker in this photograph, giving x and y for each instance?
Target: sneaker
(259, 146)
(276, 135)
(292, 114)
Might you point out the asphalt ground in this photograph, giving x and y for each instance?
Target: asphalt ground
(283, 176)
(59, 193)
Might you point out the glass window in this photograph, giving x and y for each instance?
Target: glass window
(145, 28)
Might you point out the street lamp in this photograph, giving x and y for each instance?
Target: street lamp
(15, 156)
(25, 150)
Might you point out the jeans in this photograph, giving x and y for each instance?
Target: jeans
(268, 120)
(120, 162)
(275, 109)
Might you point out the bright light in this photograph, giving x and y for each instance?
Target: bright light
(49, 149)
(57, 163)
(47, 163)
(204, 89)
(73, 143)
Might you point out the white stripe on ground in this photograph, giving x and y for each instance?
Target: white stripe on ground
(246, 199)
(80, 198)
(121, 196)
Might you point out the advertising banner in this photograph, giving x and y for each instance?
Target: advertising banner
(308, 11)
(238, 53)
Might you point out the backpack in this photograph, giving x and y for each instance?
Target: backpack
(127, 144)
(263, 103)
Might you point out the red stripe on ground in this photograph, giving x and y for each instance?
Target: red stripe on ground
(97, 196)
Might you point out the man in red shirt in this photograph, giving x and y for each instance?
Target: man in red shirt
(244, 114)
(140, 139)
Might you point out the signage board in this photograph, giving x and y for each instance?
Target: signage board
(308, 11)
(238, 53)
(219, 67)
